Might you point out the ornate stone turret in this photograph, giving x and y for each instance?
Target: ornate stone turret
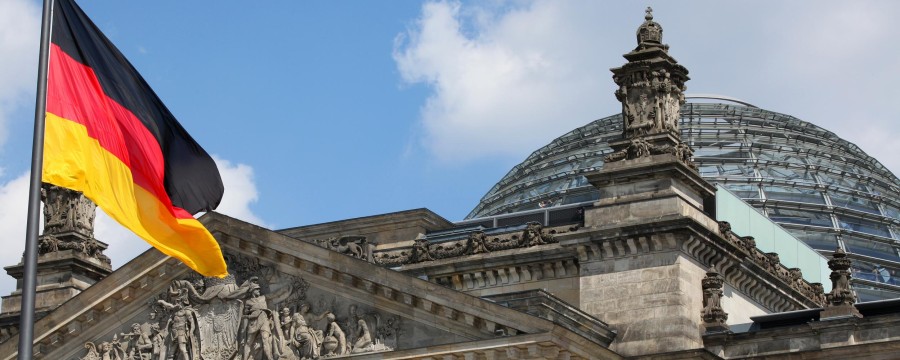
(650, 159)
(69, 223)
(839, 302)
(713, 316)
(70, 259)
(651, 89)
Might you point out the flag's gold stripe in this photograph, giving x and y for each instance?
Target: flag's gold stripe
(74, 160)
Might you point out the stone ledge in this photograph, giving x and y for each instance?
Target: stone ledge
(544, 305)
(532, 346)
(675, 233)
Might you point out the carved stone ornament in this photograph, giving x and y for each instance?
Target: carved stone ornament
(771, 263)
(840, 280)
(649, 31)
(651, 89)
(839, 302)
(639, 147)
(356, 246)
(477, 242)
(67, 211)
(69, 223)
(420, 251)
(269, 316)
(713, 316)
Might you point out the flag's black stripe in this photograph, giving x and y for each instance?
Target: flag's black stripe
(192, 180)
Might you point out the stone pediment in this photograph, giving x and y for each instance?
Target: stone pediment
(286, 299)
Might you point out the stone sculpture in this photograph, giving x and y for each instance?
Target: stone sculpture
(182, 327)
(712, 314)
(257, 328)
(839, 302)
(475, 243)
(67, 211)
(199, 318)
(69, 223)
(420, 251)
(356, 246)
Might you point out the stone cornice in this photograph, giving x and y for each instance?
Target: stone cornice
(748, 270)
(405, 295)
(492, 245)
(550, 345)
(99, 305)
(104, 305)
(875, 337)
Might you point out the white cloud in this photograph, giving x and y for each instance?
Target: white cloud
(503, 83)
(240, 193)
(19, 34)
(508, 77)
(13, 205)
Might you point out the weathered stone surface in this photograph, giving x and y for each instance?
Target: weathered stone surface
(652, 309)
(379, 229)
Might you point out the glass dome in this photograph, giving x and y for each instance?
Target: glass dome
(825, 190)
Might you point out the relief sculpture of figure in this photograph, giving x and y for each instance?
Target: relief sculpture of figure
(258, 327)
(158, 341)
(139, 344)
(182, 330)
(362, 337)
(307, 341)
(335, 341)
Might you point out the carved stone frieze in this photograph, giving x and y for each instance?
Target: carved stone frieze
(255, 312)
(771, 262)
(477, 242)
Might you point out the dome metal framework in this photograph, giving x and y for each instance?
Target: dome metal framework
(825, 190)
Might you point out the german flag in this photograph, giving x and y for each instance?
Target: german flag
(110, 137)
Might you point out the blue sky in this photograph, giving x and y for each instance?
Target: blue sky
(327, 110)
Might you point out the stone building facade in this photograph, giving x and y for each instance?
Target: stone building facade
(646, 272)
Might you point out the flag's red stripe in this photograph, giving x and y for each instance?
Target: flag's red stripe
(74, 93)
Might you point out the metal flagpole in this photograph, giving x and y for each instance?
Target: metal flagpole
(29, 282)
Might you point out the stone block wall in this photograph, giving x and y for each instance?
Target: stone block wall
(653, 301)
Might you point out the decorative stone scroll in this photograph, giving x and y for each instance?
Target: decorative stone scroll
(713, 316)
(477, 242)
(253, 313)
